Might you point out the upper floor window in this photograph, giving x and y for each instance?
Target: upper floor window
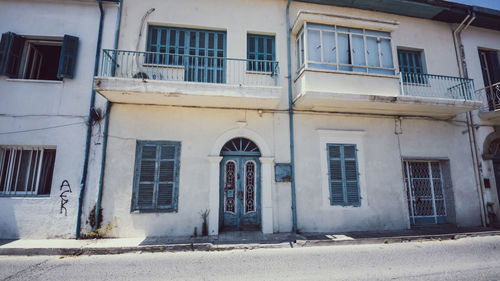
(26, 171)
(156, 181)
(340, 48)
(411, 66)
(260, 53)
(490, 67)
(30, 57)
(201, 52)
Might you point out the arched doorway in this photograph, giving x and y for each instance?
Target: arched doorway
(240, 203)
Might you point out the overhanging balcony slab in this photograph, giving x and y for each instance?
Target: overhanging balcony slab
(180, 93)
(491, 117)
(387, 105)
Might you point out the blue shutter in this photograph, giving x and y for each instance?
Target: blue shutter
(67, 59)
(260, 53)
(11, 50)
(156, 176)
(343, 174)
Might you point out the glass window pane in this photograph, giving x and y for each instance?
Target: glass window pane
(343, 45)
(314, 45)
(372, 51)
(329, 48)
(386, 52)
(358, 50)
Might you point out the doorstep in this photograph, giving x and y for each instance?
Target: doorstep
(244, 240)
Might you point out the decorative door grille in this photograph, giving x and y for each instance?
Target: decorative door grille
(230, 187)
(249, 187)
(426, 198)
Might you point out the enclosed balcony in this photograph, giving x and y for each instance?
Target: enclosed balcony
(410, 94)
(187, 80)
(490, 98)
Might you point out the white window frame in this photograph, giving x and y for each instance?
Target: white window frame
(356, 137)
(302, 37)
(4, 191)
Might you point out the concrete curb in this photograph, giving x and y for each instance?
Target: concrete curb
(189, 247)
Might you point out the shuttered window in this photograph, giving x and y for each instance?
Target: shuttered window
(343, 176)
(156, 181)
(260, 53)
(29, 57)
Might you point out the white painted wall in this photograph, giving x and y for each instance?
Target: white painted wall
(473, 39)
(26, 105)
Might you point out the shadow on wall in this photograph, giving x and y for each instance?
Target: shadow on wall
(8, 224)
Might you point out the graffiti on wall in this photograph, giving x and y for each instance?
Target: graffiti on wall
(65, 188)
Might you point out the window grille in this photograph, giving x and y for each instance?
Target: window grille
(26, 171)
(340, 48)
(156, 180)
(343, 174)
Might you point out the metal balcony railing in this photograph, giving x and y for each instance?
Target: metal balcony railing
(189, 68)
(490, 96)
(436, 86)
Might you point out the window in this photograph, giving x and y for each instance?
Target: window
(201, 52)
(260, 53)
(411, 66)
(343, 174)
(156, 181)
(26, 171)
(490, 68)
(28, 57)
(333, 47)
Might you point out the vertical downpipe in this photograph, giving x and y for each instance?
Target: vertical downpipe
(462, 67)
(105, 130)
(290, 117)
(89, 126)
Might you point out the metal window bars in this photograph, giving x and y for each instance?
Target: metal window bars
(189, 68)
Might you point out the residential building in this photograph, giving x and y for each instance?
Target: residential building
(47, 57)
(200, 117)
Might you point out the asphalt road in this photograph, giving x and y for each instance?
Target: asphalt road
(464, 259)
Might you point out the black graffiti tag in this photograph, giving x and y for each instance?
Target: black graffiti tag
(67, 188)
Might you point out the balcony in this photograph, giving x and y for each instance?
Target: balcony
(490, 98)
(409, 94)
(188, 80)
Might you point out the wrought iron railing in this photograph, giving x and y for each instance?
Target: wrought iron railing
(436, 86)
(490, 96)
(189, 68)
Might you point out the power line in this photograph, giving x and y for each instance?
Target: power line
(40, 129)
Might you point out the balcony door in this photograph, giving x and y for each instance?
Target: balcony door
(201, 53)
(490, 68)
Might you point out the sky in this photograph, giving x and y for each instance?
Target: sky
(492, 4)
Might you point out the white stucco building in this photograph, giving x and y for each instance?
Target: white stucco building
(47, 57)
(213, 104)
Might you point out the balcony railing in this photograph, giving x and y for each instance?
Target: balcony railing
(490, 96)
(189, 68)
(436, 86)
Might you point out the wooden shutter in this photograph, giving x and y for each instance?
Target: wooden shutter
(156, 176)
(343, 174)
(11, 49)
(67, 59)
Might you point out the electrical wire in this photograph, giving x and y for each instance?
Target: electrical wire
(41, 129)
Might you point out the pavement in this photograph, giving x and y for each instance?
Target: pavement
(246, 240)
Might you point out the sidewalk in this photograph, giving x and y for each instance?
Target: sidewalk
(232, 241)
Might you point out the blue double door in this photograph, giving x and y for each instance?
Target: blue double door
(240, 193)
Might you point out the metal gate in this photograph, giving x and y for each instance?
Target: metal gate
(425, 192)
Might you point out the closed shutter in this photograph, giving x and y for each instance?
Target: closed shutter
(343, 174)
(67, 59)
(156, 176)
(11, 49)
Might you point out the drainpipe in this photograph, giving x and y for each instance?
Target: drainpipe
(290, 117)
(105, 130)
(89, 125)
(462, 67)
